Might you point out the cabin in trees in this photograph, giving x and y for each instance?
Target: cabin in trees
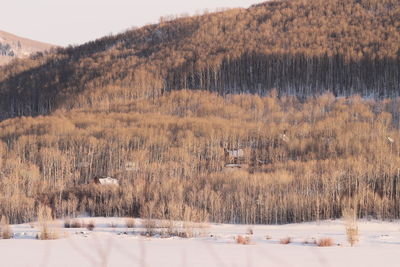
(235, 159)
(235, 156)
(131, 166)
(106, 181)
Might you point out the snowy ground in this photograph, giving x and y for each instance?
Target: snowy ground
(110, 246)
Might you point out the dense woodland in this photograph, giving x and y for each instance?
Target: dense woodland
(306, 160)
(155, 107)
(299, 47)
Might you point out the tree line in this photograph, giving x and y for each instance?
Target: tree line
(305, 159)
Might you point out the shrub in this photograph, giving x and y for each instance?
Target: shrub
(352, 235)
(286, 240)
(188, 230)
(76, 224)
(67, 223)
(5, 230)
(169, 228)
(243, 240)
(48, 228)
(325, 242)
(91, 225)
(350, 218)
(150, 227)
(130, 223)
(184, 234)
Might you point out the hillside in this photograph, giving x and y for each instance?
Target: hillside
(302, 161)
(12, 46)
(163, 108)
(295, 46)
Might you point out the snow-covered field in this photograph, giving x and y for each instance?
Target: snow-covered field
(119, 246)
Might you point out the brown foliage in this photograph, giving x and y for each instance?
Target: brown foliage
(67, 223)
(285, 241)
(48, 228)
(306, 159)
(325, 242)
(150, 227)
(130, 222)
(243, 240)
(296, 46)
(75, 223)
(5, 229)
(90, 225)
(350, 220)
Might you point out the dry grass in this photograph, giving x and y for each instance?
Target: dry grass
(48, 228)
(243, 240)
(150, 227)
(325, 242)
(188, 230)
(352, 235)
(48, 233)
(285, 241)
(130, 223)
(5, 229)
(170, 226)
(184, 234)
(350, 218)
(167, 228)
(75, 223)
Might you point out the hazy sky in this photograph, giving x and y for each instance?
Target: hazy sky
(64, 22)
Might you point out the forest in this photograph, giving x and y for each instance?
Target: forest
(308, 91)
(303, 159)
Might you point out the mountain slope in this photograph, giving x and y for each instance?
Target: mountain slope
(295, 46)
(12, 46)
(113, 109)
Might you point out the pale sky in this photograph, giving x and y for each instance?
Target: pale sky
(64, 22)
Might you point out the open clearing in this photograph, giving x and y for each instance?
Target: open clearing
(111, 243)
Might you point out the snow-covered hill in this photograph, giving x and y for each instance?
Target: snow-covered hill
(111, 243)
(12, 46)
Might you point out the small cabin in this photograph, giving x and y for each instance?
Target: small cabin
(131, 166)
(106, 181)
(233, 156)
(236, 153)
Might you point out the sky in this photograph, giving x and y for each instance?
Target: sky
(64, 22)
